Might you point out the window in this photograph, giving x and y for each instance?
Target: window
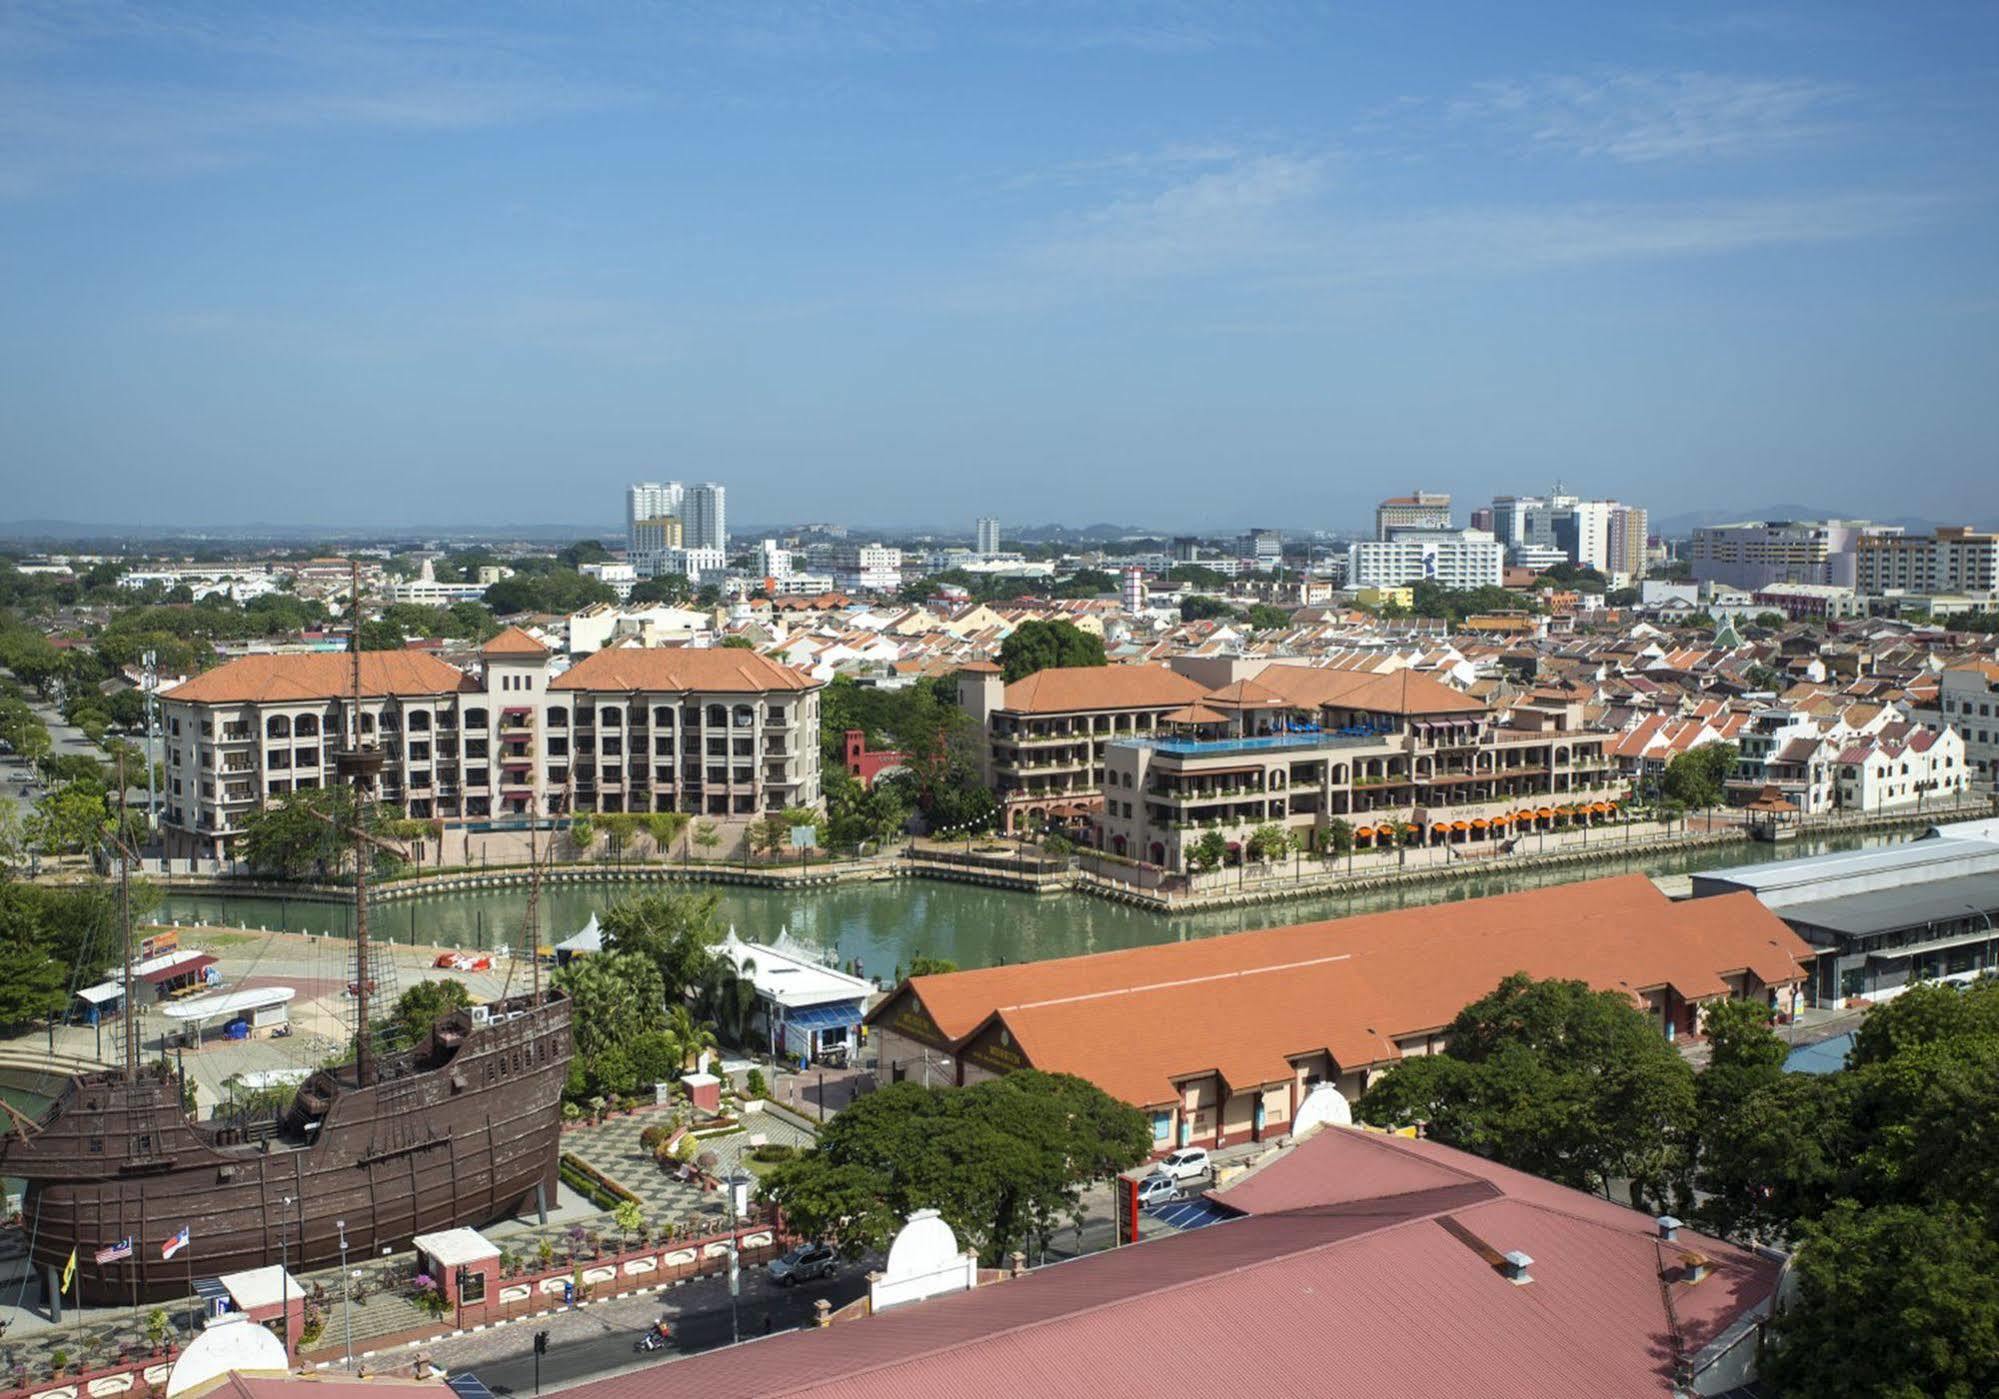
(1162, 1126)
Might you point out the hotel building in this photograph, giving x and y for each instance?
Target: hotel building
(724, 733)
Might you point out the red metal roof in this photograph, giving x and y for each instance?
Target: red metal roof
(1349, 1291)
(186, 966)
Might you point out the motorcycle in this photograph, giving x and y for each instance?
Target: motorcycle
(655, 1338)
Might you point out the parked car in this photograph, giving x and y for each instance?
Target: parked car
(1159, 1190)
(1188, 1163)
(806, 1263)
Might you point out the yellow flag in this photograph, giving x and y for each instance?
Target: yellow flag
(68, 1271)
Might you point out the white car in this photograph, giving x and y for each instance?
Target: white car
(1159, 1190)
(1188, 1163)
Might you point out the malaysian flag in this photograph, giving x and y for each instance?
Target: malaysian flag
(175, 1244)
(111, 1253)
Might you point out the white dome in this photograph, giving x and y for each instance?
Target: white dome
(922, 1246)
(1324, 1105)
(224, 1348)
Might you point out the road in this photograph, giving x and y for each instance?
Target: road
(596, 1340)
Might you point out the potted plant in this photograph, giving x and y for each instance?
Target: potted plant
(544, 1253)
(58, 1363)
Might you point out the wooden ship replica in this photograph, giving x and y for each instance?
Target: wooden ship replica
(461, 1129)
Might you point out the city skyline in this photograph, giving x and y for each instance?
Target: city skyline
(381, 268)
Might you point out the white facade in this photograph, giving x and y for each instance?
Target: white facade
(988, 532)
(1969, 698)
(693, 564)
(870, 568)
(770, 561)
(1954, 560)
(619, 577)
(1756, 553)
(1885, 776)
(1456, 559)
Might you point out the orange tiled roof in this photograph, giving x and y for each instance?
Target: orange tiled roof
(1069, 689)
(513, 642)
(1398, 692)
(1135, 1021)
(667, 669)
(294, 679)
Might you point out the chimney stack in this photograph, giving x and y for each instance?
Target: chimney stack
(1699, 1265)
(1515, 1264)
(1669, 1228)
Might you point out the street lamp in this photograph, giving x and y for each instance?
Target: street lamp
(739, 1184)
(346, 1306)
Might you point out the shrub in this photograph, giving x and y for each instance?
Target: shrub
(652, 1136)
(754, 1084)
(774, 1151)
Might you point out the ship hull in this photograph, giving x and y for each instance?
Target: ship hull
(470, 1141)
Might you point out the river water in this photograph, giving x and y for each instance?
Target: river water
(885, 924)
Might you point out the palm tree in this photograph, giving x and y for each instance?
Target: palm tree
(687, 1035)
(729, 995)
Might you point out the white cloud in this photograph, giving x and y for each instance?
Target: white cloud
(1639, 118)
(249, 79)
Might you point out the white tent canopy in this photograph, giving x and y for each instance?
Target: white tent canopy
(589, 940)
(229, 1003)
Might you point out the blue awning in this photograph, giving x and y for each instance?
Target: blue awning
(830, 1016)
(468, 1386)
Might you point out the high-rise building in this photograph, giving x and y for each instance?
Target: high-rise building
(988, 541)
(650, 539)
(699, 509)
(649, 500)
(1428, 510)
(1481, 518)
(1263, 547)
(771, 561)
(1628, 541)
(1756, 553)
(1530, 525)
(704, 517)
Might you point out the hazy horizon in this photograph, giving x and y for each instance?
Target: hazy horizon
(908, 263)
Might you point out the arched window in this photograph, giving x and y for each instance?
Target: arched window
(475, 718)
(610, 715)
(278, 726)
(662, 716)
(420, 721)
(558, 718)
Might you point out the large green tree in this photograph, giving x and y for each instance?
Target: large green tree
(1555, 1078)
(1040, 645)
(305, 834)
(1004, 1161)
(422, 1006)
(615, 997)
(1697, 777)
(1900, 1302)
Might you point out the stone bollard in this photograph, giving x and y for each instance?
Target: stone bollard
(1019, 1263)
(822, 1313)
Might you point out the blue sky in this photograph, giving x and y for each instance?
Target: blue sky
(911, 262)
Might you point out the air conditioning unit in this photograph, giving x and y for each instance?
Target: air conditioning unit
(482, 1015)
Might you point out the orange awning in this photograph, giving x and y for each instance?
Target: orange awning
(1479, 823)
(1546, 811)
(1460, 826)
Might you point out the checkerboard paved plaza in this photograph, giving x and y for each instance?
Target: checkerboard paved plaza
(613, 1147)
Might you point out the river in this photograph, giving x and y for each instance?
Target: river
(884, 924)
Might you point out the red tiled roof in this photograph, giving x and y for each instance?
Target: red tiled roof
(513, 642)
(1136, 1020)
(320, 676)
(675, 669)
(1072, 689)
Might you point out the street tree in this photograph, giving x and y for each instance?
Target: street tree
(70, 820)
(615, 997)
(1003, 1161)
(1900, 1301)
(1554, 1078)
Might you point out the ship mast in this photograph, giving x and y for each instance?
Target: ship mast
(125, 921)
(358, 763)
